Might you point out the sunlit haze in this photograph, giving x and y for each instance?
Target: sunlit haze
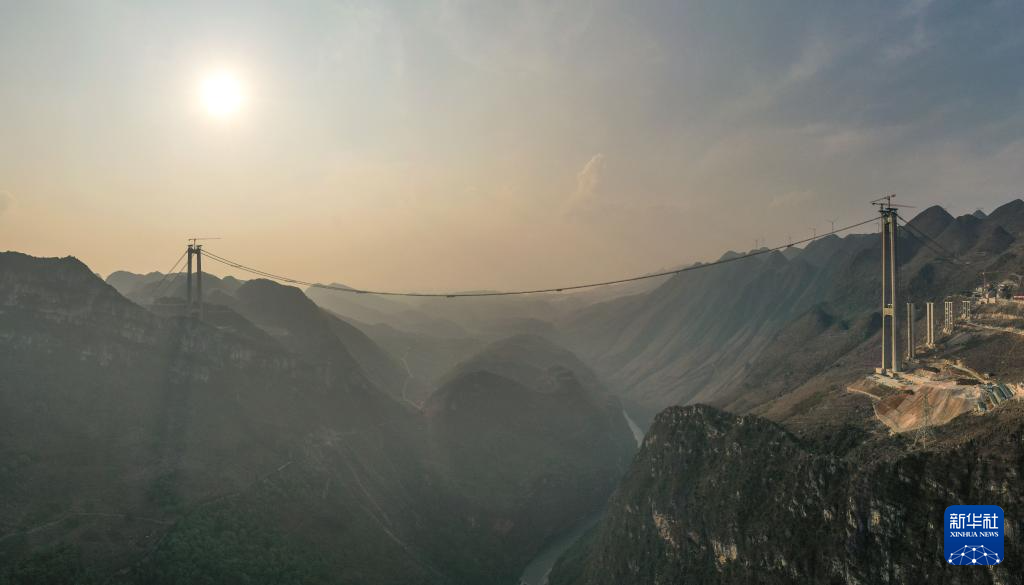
(222, 94)
(511, 292)
(443, 145)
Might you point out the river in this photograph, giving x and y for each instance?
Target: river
(638, 433)
(536, 573)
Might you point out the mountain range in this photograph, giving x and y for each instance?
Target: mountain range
(797, 480)
(267, 442)
(322, 436)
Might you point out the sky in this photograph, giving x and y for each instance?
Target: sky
(436, 145)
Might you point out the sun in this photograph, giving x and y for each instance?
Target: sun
(222, 94)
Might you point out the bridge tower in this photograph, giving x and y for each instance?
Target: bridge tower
(195, 250)
(188, 282)
(891, 356)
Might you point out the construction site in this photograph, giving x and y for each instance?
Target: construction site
(924, 379)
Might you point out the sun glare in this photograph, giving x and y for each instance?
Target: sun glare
(222, 94)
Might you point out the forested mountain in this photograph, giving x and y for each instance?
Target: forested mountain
(157, 447)
(144, 445)
(256, 445)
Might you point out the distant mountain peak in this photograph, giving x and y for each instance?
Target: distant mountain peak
(1010, 216)
(968, 219)
(27, 262)
(933, 220)
(1015, 206)
(333, 285)
(822, 250)
(527, 359)
(66, 281)
(262, 286)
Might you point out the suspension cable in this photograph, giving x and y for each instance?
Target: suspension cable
(762, 251)
(160, 285)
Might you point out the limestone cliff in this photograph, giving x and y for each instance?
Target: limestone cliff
(718, 498)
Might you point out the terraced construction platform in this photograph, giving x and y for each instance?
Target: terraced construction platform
(932, 395)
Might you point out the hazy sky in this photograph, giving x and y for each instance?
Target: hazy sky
(493, 144)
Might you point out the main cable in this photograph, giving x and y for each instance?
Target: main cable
(160, 285)
(762, 251)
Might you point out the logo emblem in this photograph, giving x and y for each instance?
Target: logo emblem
(973, 535)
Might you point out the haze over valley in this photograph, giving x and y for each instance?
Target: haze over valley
(448, 293)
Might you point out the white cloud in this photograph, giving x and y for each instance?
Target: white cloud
(588, 181)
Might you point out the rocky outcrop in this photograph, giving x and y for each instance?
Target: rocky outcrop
(718, 498)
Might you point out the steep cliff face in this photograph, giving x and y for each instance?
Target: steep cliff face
(718, 498)
(694, 334)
